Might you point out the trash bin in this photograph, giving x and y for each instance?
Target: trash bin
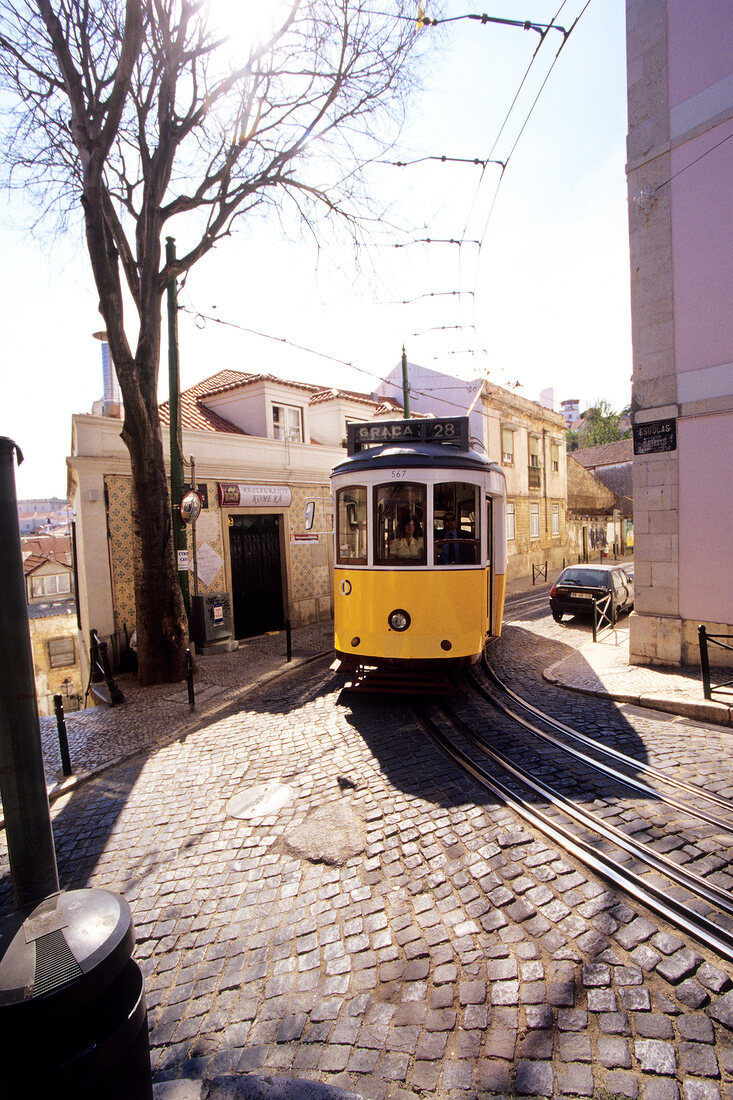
(73, 1021)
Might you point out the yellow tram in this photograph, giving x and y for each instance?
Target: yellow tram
(420, 553)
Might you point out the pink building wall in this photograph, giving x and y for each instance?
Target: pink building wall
(700, 89)
(680, 173)
(706, 518)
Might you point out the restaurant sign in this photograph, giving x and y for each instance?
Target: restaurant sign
(656, 436)
(232, 495)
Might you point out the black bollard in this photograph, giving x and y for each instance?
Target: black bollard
(189, 680)
(58, 706)
(288, 641)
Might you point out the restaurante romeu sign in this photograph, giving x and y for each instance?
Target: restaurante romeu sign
(252, 496)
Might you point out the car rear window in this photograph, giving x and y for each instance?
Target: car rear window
(590, 578)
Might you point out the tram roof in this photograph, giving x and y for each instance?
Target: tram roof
(414, 455)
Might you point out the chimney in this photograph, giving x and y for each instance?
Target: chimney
(111, 399)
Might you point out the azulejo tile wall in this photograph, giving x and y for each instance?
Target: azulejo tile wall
(122, 557)
(307, 563)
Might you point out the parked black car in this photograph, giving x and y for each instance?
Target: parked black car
(577, 586)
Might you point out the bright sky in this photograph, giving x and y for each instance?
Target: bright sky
(544, 297)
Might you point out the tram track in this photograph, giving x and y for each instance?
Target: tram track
(686, 899)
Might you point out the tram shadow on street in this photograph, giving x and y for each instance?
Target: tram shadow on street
(416, 766)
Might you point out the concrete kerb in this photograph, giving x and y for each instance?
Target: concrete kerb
(576, 672)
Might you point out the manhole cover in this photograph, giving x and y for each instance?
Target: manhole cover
(260, 800)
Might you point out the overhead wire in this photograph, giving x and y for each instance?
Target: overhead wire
(198, 316)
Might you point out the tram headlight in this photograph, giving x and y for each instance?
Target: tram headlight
(399, 619)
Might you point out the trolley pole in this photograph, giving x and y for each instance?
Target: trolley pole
(176, 451)
(31, 850)
(405, 386)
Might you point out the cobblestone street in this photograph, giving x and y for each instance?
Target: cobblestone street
(319, 895)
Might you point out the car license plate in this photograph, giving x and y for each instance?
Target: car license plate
(578, 595)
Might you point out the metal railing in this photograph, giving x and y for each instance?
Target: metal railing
(100, 672)
(602, 614)
(706, 639)
(539, 572)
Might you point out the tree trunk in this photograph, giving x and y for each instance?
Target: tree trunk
(162, 628)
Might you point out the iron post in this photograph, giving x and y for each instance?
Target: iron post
(58, 706)
(702, 635)
(31, 850)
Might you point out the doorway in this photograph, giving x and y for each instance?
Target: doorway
(257, 587)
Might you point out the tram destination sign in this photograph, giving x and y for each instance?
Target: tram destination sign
(655, 437)
(449, 430)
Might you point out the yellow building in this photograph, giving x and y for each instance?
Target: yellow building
(53, 630)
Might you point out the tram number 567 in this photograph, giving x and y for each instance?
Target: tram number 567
(398, 474)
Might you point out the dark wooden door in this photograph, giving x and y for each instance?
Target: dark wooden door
(257, 595)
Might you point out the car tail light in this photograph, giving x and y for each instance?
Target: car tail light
(553, 591)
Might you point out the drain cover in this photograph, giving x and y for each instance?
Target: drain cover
(260, 800)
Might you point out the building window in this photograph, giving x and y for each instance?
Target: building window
(510, 524)
(55, 584)
(555, 457)
(61, 652)
(535, 478)
(287, 423)
(507, 447)
(534, 521)
(556, 519)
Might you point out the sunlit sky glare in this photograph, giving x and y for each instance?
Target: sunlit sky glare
(542, 300)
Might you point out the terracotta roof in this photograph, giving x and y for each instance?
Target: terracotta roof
(383, 404)
(57, 546)
(195, 415)
(35, 561)
(605, 454)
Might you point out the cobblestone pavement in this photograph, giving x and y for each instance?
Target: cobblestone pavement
(320, 896)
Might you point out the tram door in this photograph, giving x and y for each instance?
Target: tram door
(490, 562)
(257, 594)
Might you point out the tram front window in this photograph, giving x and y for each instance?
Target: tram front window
(351, 525)
(455, 516)
(399, 524)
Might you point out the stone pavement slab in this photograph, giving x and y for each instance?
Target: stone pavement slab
(439, 949)
(458, 955)
(602, 668)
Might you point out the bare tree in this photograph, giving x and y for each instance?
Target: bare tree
(141, 111)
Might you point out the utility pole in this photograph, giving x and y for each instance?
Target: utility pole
(405, 386)
(176, 448)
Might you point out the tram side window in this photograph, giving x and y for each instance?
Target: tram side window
(351, 525)
(456, 523)
(399, 511)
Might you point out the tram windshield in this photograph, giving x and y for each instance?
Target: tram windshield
(351, 525)
(456, 523)
(399, 511)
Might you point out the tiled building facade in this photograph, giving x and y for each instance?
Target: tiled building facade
(263, 450)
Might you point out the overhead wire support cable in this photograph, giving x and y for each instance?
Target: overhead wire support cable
(430, 294)
(436, 240)
(483, 18)
(443, 160)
